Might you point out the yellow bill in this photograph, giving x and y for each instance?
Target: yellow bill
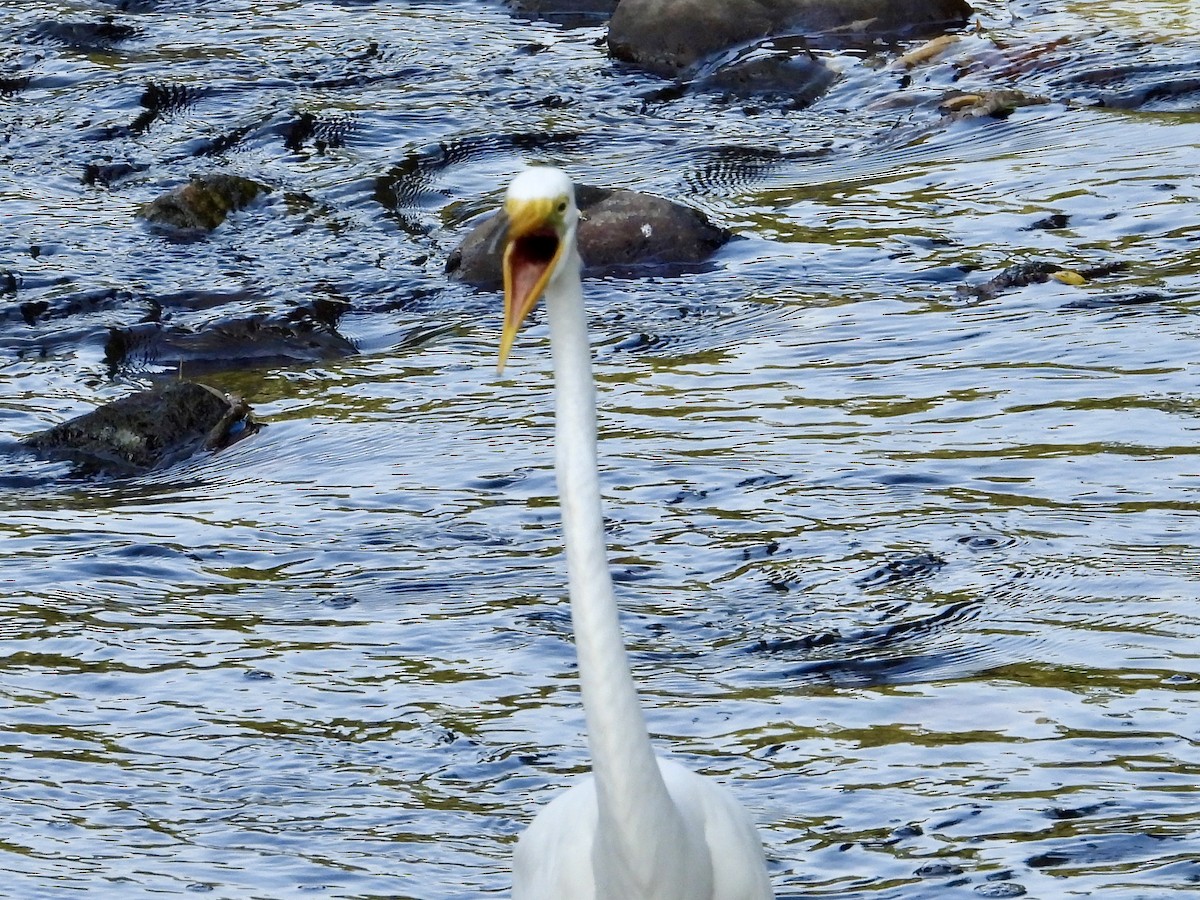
(532, 247)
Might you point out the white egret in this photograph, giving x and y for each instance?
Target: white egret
(638, 828)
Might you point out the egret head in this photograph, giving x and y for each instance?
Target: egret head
(539, 235)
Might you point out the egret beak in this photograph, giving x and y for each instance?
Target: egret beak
(532, 248)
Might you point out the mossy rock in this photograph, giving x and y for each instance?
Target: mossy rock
(203, 203)
(147, 430)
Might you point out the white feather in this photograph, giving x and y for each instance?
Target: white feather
(638, 828)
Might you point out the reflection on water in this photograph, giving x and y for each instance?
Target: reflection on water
(917, 573)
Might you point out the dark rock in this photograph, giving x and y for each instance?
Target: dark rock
(89, 37)
(147, 430)
(135, 6)
(13, 84)
(1015, 276)
(568, 13)
(202, 204)
(1052, 222)
(782, 70)
(254, 341)
(669, 37)
(108, 174)
(620, 231)
(938, 870)
(1027, 273)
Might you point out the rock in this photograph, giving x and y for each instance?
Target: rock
(1034, 272)
(13, 84)
(136, 6)
(90, 36)
(620, 230)
(110, 173)
(568, 13)
(998, 104)
(202, 204)
(670, 37)
(781, 70)
(148, 430)
(1052, 222)
(239, 342)
(928, 51)
(1149, 84)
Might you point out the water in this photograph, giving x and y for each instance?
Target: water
(915, 570)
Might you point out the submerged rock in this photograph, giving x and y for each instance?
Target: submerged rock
(109, 173)
(669, 37)
(202, 204)
(568, 13)
(995, 104)
(619, 230)
(302, 335)
(1034, 272)
(148, 430)
(784, 70)
(88, 36)
(13, 84)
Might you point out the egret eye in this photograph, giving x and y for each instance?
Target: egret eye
(562, 206)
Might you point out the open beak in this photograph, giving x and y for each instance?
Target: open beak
(532, 247)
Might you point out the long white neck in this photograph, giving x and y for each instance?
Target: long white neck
(635, 809)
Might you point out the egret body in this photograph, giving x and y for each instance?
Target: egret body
(639, 827)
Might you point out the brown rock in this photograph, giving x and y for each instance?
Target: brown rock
(203, 203)
(668, 37)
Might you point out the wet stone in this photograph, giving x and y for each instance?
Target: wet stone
(568, 13)
(1000, 889)
(669, 37)
(1052, 222)
(13, 84)
(1047, 860)
(994, 104)
(89, 36)
(1024, 274)
(147, 430)
(301, 335)
(621, 232)
(110, 173)
(938, 870)
(202, 204)
(783, 70)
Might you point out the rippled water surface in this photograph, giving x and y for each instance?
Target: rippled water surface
(914, 567)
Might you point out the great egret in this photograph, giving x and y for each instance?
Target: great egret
(639, 828)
